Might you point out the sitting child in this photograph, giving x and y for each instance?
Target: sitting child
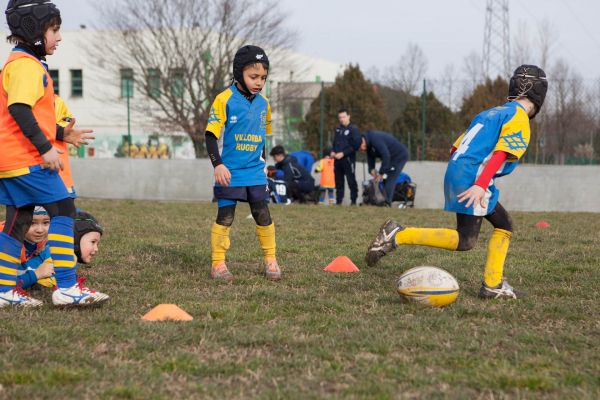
(36, 262)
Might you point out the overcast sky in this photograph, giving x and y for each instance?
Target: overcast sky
(375, 33)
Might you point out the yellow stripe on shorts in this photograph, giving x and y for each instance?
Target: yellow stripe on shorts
(14, 173)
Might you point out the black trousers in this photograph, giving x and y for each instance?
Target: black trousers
(345, 168)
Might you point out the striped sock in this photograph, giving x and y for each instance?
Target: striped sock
(60, 241)
(10, 258)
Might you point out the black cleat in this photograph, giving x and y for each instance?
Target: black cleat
(384, 243)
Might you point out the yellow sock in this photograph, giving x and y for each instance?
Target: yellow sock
(219, 243)
(266, 237)
(432, 237)
(497, 249)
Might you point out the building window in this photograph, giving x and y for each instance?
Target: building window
(126, 83)
(55, 78)
(154, 83)
(177, 83)
(76, 83)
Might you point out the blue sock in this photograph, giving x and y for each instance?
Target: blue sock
(60, 241)
(10, 258)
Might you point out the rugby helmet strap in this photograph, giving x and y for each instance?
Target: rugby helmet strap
(529, 81)
(245, 56)
(26, 19)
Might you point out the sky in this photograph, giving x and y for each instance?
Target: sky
(375, 33)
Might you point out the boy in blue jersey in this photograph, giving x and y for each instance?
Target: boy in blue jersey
(241, 118)
(492, 146)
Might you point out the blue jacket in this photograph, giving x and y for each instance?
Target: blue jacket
(294, 172)
(304, 158)
(386, 147)
(346, 140)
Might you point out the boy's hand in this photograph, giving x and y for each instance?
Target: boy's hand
(52, 159)
(46, 270)
(474, 195)
(222, 175)
(339, 156)
(77, 137)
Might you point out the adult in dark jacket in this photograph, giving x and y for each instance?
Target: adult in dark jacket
(299, 181)
(346, 142)
(393, 156)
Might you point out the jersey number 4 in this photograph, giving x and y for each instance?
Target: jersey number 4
(464, 145)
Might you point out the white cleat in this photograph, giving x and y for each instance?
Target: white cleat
(78, 295)
(17, 297)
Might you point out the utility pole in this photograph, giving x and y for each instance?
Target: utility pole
(496, 40)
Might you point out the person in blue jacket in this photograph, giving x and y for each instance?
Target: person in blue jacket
(393, 155)
(345, 144)
(299, 180)
(305, 158)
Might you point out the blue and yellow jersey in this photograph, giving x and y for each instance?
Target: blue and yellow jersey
(35, 255)
(24, 79)
(242, 125)
(504, 128)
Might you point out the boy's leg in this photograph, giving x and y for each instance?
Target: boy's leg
(350, 169)
(17, 223)
(265, 231)
(219, 239)
(71, 291)
(331, 196)
(392, 234)
(323, 196)
(494, 285)
(339, 175)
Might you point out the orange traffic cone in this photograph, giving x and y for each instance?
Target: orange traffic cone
(164, 312)
(542, 224)
(341, 264)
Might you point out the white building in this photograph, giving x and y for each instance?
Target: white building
(96, 102)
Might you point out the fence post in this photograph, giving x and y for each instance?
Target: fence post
(321, 118)
(424, 118)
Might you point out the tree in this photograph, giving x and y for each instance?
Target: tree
(352, 91)
(178, 53)
(486, 95)
(409, 72)
(442, 127)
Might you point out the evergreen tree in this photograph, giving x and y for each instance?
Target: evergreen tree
(486, 95)
(351, 91)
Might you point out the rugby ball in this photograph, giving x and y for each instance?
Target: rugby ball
(431, 286)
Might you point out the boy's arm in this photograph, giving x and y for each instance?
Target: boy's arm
(23, 116)
(212, 148)
(491, 168)
(28, 278)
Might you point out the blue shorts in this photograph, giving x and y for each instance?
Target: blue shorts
(229, 196)
(39, 187)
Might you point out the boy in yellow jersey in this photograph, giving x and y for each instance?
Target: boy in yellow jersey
(492, 146)
(29, 159)
(241, 118)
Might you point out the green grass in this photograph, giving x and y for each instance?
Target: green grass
(314, 334)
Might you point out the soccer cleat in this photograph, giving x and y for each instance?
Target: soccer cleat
(384, 242)
(17, 297)
(502, 291)
(272, 270)
(220, 272)
(78, 295)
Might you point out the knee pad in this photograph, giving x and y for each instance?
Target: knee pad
(62, 208)
(225, 215)
(261, 214)
(466, 242)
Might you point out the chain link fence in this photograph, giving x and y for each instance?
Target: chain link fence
(567, 131)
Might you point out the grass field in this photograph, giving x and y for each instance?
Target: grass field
(314, 334)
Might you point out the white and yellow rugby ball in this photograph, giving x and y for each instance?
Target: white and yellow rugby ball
(431, 286)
